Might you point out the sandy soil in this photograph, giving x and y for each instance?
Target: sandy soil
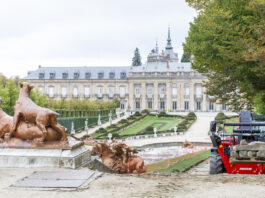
(195, 183)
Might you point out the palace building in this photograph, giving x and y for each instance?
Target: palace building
(161, 84)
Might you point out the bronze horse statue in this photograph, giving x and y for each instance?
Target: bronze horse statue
(24, 130)
(38, 117)
(116, 159)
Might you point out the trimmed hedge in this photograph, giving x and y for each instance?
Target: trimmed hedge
(79, 123)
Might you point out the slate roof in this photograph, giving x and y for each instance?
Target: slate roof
(120, 72)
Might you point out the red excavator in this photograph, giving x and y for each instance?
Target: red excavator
(243, 150)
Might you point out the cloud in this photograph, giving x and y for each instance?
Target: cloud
(86, 32)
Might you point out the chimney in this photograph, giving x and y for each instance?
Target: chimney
(39, 66)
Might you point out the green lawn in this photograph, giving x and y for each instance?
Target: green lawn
(229, 129)
(149, 120)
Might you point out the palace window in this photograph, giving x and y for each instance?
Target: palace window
(198, 91)
(224, 107)
(76, 75)
(186, 105)
(122, 106)
(51, 92)
(75, 92)
(87, 75)
(100, 75)
(150, 104)
(174, 91)
(149, 92)
(86, 92)
(187, 92)
(52, 75)
(100, 92)
(41, 75)
(111, 75)
(122, 92)
(211, 106)
(63, 92)
(137, 104)
(111, 92)
(65, 75)
(198, 105)
(162, 104)
(123, 75)
(174, 105)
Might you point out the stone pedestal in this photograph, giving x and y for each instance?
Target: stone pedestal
(27, 158)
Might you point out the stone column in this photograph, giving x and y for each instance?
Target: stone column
(143, 96)
(182, 96)
(155, 96)
(131, 95)
(204, 99)
(192, 94)
(169, 96)
(179, 93)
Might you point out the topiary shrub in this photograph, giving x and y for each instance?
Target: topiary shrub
(220, 118)
(162, 114)
(137, 113)
(123, 121)
(149, 128)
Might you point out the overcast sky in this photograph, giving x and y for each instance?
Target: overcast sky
(86, 32)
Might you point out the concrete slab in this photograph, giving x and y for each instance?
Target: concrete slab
(55, 179)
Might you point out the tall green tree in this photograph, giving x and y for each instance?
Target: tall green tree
(185, 58)
(228, 42)
(136, 60)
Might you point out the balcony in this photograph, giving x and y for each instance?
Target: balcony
(111, 95)
(174, 95)
(122, 95)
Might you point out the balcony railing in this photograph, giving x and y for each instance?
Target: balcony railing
(149, 95)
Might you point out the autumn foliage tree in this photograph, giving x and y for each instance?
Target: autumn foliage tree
(227, 40)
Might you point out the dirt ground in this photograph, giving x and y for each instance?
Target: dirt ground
(195, 183)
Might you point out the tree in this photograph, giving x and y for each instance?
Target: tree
(136, 60)
(185, 58)
(228, 42)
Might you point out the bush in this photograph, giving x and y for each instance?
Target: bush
(145, 111)
(162, 114)
(149, 128)
(220, 118)
(123, 121)
(137, 113)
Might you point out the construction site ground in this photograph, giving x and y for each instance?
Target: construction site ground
(195, 183)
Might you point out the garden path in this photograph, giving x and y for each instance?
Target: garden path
(198, 132)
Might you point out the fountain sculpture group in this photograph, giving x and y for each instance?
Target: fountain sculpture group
(34, 138)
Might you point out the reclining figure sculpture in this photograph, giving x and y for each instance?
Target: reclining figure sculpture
(30, 122)
(119, 157)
